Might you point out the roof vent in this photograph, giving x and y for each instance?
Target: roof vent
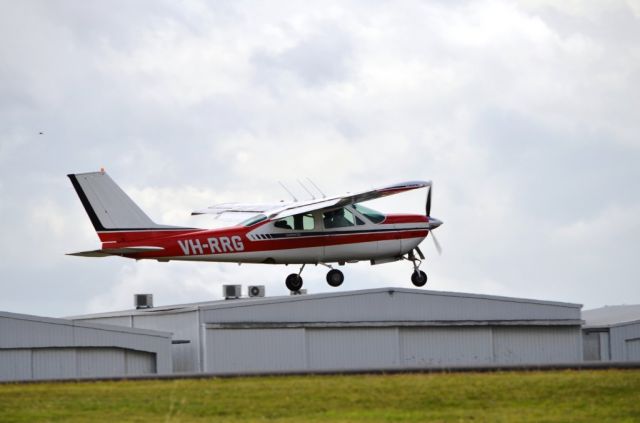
(143, 301)
(231, 291)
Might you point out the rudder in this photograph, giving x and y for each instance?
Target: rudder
(117, 218)
(108, 206)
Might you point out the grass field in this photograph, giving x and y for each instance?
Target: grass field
(561, 396)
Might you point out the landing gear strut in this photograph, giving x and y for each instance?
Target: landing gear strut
(294, 281)
(418, 277)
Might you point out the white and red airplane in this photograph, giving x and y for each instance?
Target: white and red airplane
(319, 231)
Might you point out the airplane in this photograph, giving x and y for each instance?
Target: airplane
(321, 231)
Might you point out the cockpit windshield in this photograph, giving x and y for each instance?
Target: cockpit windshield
(373, 215)
(253, 220)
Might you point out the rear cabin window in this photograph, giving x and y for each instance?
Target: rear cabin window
(298, 222)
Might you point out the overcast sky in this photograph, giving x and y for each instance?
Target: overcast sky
(524, 114)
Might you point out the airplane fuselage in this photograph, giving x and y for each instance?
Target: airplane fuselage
(264, 242)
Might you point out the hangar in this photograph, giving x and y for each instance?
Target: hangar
(612, 333)
(33, 347)
(364, 329)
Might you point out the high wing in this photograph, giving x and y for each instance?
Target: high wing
(281, 210)
(257, 208)
(223, 208)
(347, 199)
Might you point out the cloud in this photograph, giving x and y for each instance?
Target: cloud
(523, 114)
(317, 59)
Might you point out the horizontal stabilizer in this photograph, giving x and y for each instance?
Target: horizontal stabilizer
(106, 252)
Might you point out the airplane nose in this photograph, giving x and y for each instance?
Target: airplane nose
(434, 223)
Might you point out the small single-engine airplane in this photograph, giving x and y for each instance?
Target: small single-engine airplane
(319, 231)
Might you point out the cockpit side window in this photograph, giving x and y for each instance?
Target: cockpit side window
(340, 218)
(299, 222)
(373, 215)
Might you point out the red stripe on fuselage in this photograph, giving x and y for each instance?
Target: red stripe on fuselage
(332, 239)
(405, 218)
(173, 248)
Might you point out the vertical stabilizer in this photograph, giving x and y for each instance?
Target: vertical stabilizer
(108, 206)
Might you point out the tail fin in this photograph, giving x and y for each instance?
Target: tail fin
(110, 208)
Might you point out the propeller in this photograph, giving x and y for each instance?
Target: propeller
(433, 236)
(436, 243)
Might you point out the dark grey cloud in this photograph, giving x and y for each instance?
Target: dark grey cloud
(320, 58)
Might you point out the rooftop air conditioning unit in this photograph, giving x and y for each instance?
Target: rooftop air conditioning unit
(231, 291)
(143, 301)
(256, 290)
(298, 292)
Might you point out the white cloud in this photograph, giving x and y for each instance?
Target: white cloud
(523, 114)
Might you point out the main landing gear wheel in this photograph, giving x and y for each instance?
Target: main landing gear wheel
(294, 282)
(335, 277)
(419, 278)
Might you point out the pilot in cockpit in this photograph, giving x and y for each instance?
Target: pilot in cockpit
(282, 224)
(336, 219)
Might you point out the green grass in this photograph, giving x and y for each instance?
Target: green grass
(562, 396)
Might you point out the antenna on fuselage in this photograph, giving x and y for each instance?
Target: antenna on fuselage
(316, 187)
(287, 189)
(305, 188)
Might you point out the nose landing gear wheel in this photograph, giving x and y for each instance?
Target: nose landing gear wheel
(294, 282)
(335, 277)
(419, 278)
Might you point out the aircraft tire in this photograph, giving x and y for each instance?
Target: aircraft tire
(419, 278)
(294, 282)
(335, 277)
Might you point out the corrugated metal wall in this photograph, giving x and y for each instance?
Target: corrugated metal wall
(389, 305)
(445, 346)
(591, 346)
(116, 321)
(360, 329)
(632, 347)
(138, 363)
(182, 325)
(619, 338)
(15, 364)
(60, 363)
(616, 343)
(101, 361)
(314, 348)
(595, 344)
(239, 349)
(513, 345)
(352, 348)
(46, 348)
(605, 346)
